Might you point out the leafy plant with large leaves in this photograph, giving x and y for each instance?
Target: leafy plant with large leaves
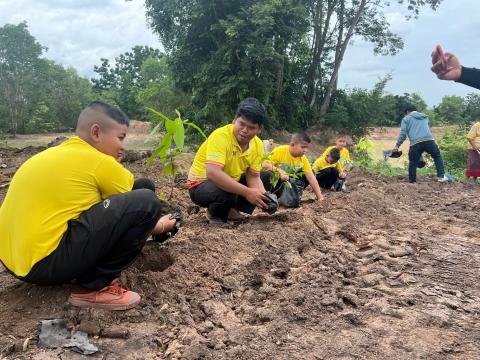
(171, 144)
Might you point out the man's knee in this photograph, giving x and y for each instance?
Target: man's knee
(144, 183)
(145, 199)
(333, 171)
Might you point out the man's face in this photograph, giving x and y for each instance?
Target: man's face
(245, 130)
(340, 143)
(299, 149)
(110, 139)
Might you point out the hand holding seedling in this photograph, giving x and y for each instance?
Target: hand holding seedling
(445, 65)
(283, 175)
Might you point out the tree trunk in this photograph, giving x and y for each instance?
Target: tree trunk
(319, 40)
(338, 60)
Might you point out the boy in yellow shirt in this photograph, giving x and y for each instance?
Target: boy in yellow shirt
(340, 144)
(291, 159)
(73, 212)
(328, 168)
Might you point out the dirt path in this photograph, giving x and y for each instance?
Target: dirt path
(386, 271)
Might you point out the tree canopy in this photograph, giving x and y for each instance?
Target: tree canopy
(37, 95)
(287, 53)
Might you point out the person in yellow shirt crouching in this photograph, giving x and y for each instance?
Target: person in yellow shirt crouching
(291, 159)
(73, 212)
(340, 144)
(225, 174)
(328, 169)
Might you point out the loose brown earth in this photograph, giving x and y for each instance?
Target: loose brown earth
(386, 271)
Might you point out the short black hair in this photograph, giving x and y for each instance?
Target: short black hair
(299, 137)
(334, 154)
(410, 108)
(112, 112)
(253, 110)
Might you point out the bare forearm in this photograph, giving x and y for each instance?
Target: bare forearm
(255, 182)
(314, 184)
(225, 182)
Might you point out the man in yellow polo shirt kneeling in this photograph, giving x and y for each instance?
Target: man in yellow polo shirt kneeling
(225, 174)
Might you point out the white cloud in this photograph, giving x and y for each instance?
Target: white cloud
(79, 33)
(399, 24)
(454, 25)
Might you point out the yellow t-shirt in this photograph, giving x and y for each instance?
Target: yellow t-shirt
(47, 191)
(344, 154)
(282, 158)
(222, 148)
(321, 163)
(474, 136)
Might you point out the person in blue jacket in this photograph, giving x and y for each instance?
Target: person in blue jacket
(415, 127)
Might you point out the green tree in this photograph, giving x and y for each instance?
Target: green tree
(451, 109)
(401, 101)
(358, 110)
(65, 95)
(159, 91)
(20, 65)
(472, 108)
(122, 81)
(287, 53)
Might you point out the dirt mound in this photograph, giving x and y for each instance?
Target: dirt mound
(387, 271)
(139, 127)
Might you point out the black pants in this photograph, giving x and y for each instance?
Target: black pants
(327, 177)
(266, 176)
(219, 202)
(416, 151)
(103, 241)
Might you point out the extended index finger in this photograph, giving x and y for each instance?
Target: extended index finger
(438, 54)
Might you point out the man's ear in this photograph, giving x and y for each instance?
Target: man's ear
(95, 132)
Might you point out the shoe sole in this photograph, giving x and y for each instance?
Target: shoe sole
(85, 304)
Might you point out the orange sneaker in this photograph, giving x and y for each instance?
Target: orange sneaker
(111, 297)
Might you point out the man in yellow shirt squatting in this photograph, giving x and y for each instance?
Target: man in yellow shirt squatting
(74, 212)
(225, 174)
(291, 159)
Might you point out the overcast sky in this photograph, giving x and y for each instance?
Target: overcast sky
(80, 32)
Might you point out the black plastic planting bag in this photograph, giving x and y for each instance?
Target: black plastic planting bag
(292, 194)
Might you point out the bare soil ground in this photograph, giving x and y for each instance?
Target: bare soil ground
(388, 270)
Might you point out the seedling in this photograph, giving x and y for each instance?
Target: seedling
(292, 172)
(171, 145)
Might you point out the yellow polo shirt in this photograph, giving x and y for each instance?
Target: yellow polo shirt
(344, 154)
(222, 148)
(321, 163)
(47, 191)
(474, 136)
(282, 158)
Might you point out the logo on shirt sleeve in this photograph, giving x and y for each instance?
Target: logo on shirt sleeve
(213, 156)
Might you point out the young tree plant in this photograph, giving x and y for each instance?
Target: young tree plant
(171, 145)
(292, 172)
